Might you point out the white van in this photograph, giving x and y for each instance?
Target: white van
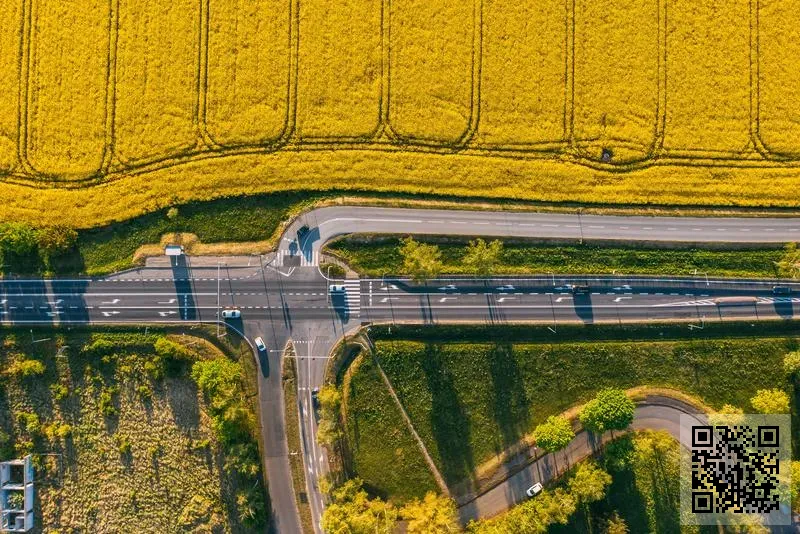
(231, 314)
(336, 288)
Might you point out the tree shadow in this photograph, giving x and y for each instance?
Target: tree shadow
(510, 402)
(449, 421)
(182, 398)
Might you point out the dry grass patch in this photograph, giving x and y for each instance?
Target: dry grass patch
(779, 77)
(157, 63)
(193, 246)
(248, 70)
(339, 84)
(118, 448)
(67, 78)
(708, 77)
(431, 57)
(616, 77)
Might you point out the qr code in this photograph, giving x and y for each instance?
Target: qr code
(735, 469)
(736, 466)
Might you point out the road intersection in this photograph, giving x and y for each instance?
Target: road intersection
(284, 298)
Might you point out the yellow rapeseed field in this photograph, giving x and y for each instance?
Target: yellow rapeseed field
(111, 108)
(616, 77)
(10, 30)
(524, 74)
(157, 79)
(431, 44)
(708, 77)
(339, 78)
(67, 78)
(249, 55)
(779, 76)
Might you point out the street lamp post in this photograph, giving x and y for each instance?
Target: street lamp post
(580, 224)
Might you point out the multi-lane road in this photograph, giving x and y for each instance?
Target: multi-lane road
(284, 298)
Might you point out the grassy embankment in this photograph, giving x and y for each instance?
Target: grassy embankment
(111, 248)
(123, 439)
(376, 257)
(470, 401)
(292, 423)
(381, 449)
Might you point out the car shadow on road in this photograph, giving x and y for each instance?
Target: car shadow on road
(784, 308)
(583, 307)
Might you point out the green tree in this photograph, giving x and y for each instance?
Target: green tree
(611, 409)
(554, 434)
(171, 350)
(17, 238)
(217, 378)
(421, 261)
(791, 364)
(616, 525)
(789, 265)
(55, 240)
(533, 516)
(353, 512)
(482, 257)
(589, 482)
(25, 368)
(250, 507)
(795, 486)
(770, 401)
(435, 514)
(329, 431)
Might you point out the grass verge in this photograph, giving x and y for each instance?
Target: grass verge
(377, 255)
(470, 401)
(292, 423)
(382, 451)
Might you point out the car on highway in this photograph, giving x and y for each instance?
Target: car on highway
(507, 287)
(534, 490)
(448, 287)
(315, 397)
(231, 314)
(336, 288)
(260, 345)
(781, 290)
(580, 289)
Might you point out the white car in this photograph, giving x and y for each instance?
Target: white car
(534, 490)
(231, 314)
(336, 288)
(507, 287)
(260, 345)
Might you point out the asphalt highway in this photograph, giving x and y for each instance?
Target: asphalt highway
(285, 299)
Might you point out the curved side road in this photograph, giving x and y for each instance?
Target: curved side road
(329, 222)
(655, 413)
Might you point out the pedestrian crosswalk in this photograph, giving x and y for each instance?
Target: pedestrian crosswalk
(286, 258)
(352, 289)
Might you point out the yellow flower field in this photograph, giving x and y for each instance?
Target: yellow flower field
(67, 77)
(109, 109)
(431, 63)
(779, 80)
(10, 29)
(708, 77)
(339, 78)
(616, 77)
(248, 71)
(157, 85)
(524, 77)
